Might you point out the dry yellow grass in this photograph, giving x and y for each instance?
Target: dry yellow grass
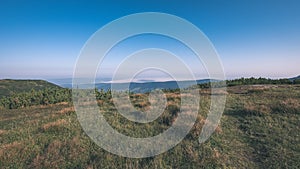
(11, 145)
(220, 92)
(216, 153)
(247, 136)
(51, 158)
(173, 95)
(54, 155)
(62, 103)
(218, 129)
(8, 147)
(2, 132)
(125, 107)
(49, 105)
(257, 107)
(138, 95)
(59, 122)
(100, 102)
(171, 103)
(291, 102)
(67, 110)
(143, 104)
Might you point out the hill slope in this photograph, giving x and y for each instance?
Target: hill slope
(8, 86)
(259, 129)
(295, 78)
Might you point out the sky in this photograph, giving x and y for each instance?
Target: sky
(42, 39)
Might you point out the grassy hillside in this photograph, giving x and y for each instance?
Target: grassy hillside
(259, 129)
(9, 87)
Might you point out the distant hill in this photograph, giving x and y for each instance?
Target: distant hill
(142, 87)
(9, 86)
(295, 78)
(105, 83)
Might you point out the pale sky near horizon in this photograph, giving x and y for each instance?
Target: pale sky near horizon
(42, 39)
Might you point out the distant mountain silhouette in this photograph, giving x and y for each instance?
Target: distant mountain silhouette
(294, 78)
(145, 86)
(149, 86)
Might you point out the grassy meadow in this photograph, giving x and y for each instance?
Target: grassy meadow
(260, 128)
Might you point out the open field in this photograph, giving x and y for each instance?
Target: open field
(260, 127)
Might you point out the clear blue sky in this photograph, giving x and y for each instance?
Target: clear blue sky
(42, 39)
